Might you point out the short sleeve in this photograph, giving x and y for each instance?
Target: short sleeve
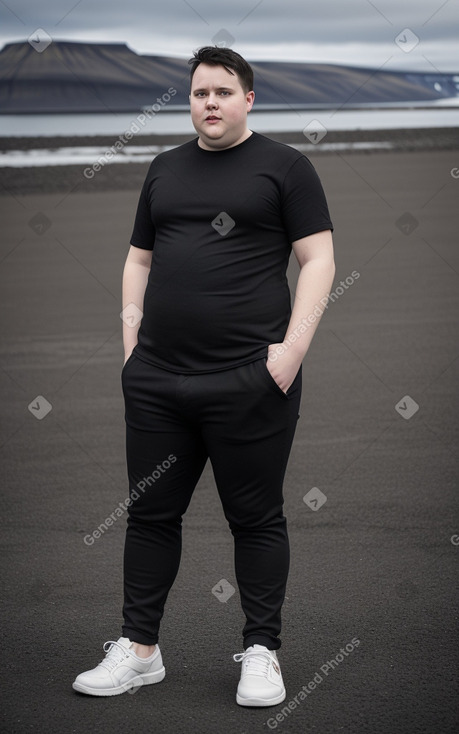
(304, 206)
(143, 234)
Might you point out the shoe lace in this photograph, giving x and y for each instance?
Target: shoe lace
(115, 653)
(254, 662)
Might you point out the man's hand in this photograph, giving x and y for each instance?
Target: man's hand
(283, 365)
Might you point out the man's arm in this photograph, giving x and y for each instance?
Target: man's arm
(317, 270)
(135, 277)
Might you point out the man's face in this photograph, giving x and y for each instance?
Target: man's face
(219, 107)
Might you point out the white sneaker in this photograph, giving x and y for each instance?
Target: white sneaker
(121, 670)
(261, 681)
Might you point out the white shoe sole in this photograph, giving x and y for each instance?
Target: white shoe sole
(137, 682)
(261, 701)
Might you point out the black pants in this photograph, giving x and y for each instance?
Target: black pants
(244, 423)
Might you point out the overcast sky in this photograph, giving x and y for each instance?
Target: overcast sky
(359, 32)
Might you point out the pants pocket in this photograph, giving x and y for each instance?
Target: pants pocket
(269, 379)
(127, 362)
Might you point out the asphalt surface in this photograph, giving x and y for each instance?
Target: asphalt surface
(374, 563)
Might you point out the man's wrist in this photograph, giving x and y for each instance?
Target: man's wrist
(294, 348)
(291, 354)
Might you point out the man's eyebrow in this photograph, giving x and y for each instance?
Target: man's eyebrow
(219, 89)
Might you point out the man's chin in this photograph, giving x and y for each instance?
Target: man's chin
(211, 133)
(214, 141)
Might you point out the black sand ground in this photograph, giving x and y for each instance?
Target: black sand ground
(20, 181)
(377, 561)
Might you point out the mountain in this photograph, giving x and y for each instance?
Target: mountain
(94, 77)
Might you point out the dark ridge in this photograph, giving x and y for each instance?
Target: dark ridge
(69, 77)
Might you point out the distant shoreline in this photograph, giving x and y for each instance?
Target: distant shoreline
(448, 103)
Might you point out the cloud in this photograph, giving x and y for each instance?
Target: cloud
(360, 31)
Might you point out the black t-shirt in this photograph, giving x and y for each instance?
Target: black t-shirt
(221, 224)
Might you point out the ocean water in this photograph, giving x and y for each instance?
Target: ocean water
(179, 122)
(312, 122)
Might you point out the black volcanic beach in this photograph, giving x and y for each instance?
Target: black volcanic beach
(47, 179)
(378, 435)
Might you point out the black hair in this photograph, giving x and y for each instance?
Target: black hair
(226, 57)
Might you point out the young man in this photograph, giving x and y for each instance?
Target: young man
(214, 371)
